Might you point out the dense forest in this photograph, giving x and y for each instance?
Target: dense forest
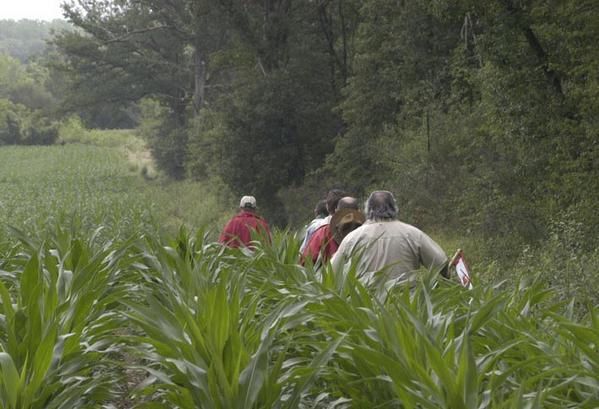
(480, 115)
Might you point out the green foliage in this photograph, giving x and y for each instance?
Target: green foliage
(205, 152)
(212, 342)
(474, 112)
(10, 125)
(478, 113)
(24, 104)
(56, 322)
(267, 144)
(565, 262)
(100, 306)
(273, 123)
(235, 80)
(77, 185)
(481, 116)
(24, 84)
(192, 204)
(165, 136)
(400, 76)
(212, 327)
(72, 130)
(142, 54)
(86, 186)
(20, 126)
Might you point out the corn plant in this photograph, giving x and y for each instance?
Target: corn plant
(212, 338)
(440, 346)
(57, 319)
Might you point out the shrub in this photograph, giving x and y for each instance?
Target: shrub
(40, 132)
(72, 130)
(10, 122)
(20, 126)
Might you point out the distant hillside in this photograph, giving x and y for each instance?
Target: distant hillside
(24, 39)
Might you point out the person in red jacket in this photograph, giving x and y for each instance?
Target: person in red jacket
(322, 244)
(238, 231)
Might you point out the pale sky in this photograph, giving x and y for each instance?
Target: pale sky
(30, 9)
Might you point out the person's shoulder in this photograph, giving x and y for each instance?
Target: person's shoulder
(316, 223)
(321, 230)
(389, 228)
(414, 232)
(249, 215)
(369, 227)
(355, 235)
(407, 227)
(319, 235)
(256, 219)
(238, 217)
(232, 224)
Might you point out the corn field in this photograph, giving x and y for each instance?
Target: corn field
(99, 309)
(188, 324)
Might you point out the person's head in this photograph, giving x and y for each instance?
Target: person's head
(333, 198)
(248, 203)
(348, 202)
(381, 206)
(320, 210)
(344, 221)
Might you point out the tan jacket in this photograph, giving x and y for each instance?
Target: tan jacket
(391, 251)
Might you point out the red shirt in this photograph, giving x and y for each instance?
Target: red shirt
(238, 231)
(321, 242)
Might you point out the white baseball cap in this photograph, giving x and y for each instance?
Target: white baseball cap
(248, 201)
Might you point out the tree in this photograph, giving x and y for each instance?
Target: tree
(129, 50)
(24, 84)
(400, 76)
(25, 104)
(481, 107)
(276, 106)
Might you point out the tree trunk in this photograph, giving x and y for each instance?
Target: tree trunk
(533, 41)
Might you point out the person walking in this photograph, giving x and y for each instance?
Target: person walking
(238, 231)
(320, 218)
(322, 244)
(388, 250)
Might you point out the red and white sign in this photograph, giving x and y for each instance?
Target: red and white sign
(461, 269)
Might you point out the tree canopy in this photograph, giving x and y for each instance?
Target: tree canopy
(482, 112)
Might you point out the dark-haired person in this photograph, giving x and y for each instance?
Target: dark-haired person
(238, 230)
(322, 243)
(388, 249)
(320, 218)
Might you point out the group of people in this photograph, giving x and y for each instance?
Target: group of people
(383, 248)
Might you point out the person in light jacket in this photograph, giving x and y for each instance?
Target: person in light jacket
(388, 251)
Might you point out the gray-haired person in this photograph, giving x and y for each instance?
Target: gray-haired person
(389, 251)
